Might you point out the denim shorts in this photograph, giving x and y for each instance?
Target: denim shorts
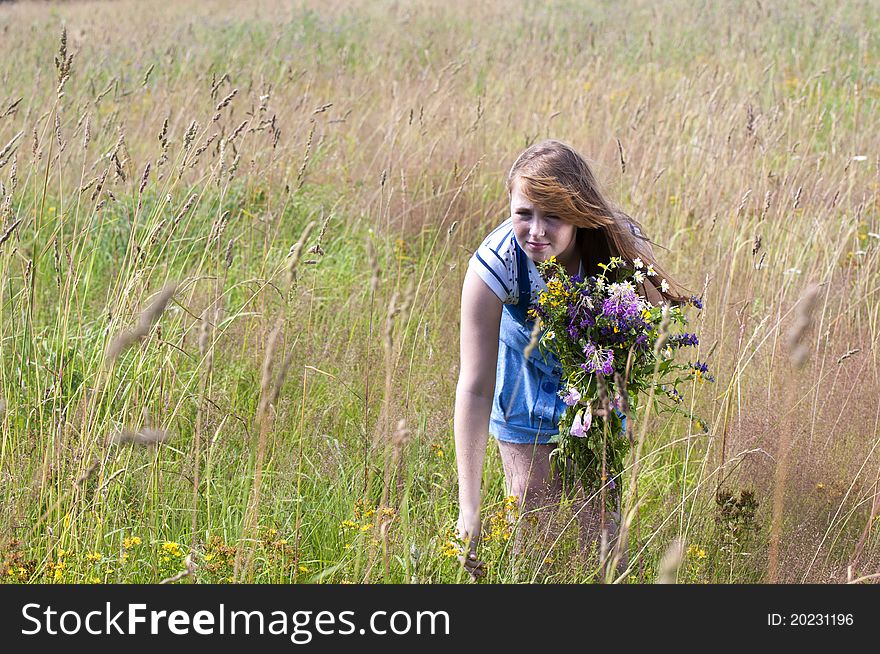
(526, 407)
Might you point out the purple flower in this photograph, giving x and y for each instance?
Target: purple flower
(580, 426)
(683, 340)
(622, 301)
(697, 302)
(701, 370)
(573, 397)
(598, 360)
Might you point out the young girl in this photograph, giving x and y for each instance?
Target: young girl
(556, 209)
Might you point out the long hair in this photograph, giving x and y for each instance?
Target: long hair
(559, 180)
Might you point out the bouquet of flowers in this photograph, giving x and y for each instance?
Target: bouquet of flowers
(615, 348)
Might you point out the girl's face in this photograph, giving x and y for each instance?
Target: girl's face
(539, 234)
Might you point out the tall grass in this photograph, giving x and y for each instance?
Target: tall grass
(287, 414)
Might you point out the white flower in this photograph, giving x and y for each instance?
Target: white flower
(639, 276)
(664, 286)
(667, 353)
(651, 272)
(550, 335)
(638, 262)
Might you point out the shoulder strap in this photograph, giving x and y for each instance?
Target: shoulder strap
(523, 281)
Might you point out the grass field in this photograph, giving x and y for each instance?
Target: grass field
(312, 178)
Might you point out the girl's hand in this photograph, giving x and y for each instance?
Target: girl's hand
(468, 530)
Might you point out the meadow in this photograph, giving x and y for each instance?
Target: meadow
(232, 243)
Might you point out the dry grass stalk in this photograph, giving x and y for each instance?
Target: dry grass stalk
(270, 389)
(798, 353)
(145, 322)
(223, 103)
(670, 563)
(5, 236)
(296, 253)
(144, 179)
(146, 436)
(183, 211)
(8, 149)
(803, 318)
(188, 571)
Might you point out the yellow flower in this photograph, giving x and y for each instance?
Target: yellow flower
(172, 548)
(451, 549)
(697, 552)
(93, 556)
(367, 526)
(128, 543)
(303, 568)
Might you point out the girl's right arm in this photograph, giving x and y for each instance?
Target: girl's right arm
(480, 323)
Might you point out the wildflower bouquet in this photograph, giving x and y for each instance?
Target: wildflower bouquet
(615, 348)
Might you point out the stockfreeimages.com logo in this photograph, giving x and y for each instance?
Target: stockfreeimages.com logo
(299, 626)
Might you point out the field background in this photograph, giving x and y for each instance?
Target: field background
(302, 382)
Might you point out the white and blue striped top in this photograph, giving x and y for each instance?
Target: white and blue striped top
(495, 262)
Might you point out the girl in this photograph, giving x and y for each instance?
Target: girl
(556, 209)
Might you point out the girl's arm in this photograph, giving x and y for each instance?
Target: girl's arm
(480, 321)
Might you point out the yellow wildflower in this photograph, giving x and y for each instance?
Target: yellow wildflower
(697, 552)
(172, 548)
(128, 543)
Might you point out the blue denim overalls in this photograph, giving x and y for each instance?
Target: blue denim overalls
(526, 407)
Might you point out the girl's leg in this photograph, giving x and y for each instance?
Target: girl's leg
(527, 473)
(527, 476)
